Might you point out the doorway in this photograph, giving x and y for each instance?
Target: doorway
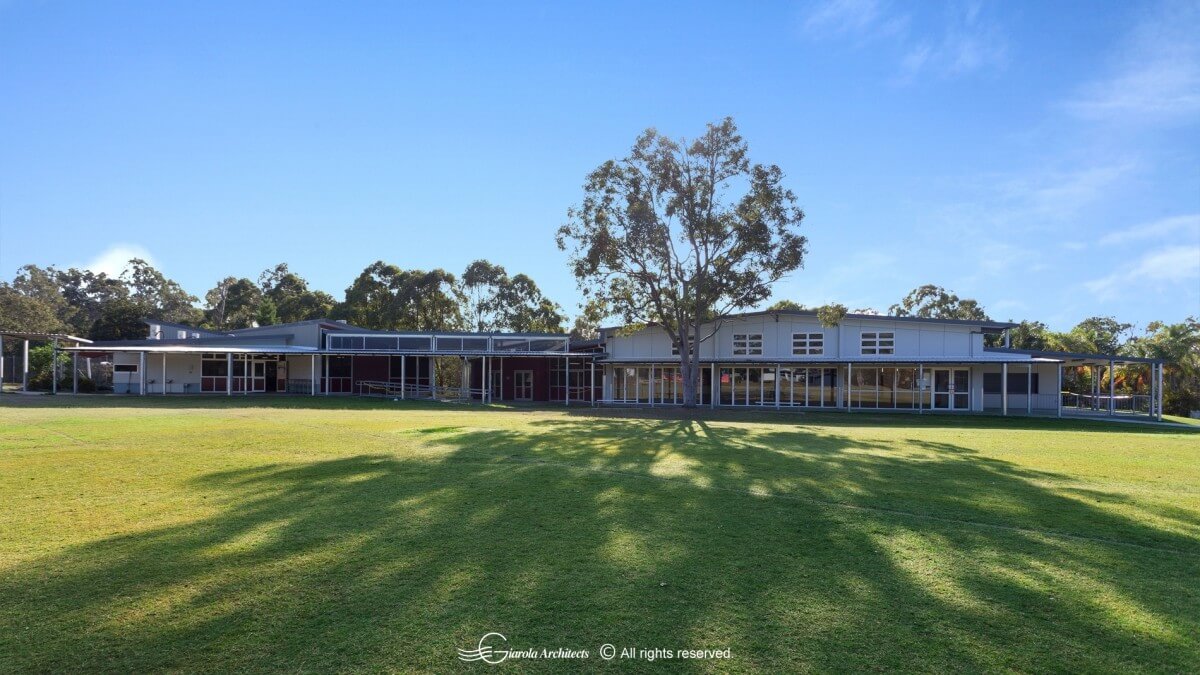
(271, 369)
(951, 389)
(523, 385)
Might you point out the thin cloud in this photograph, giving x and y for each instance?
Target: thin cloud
(1157, 229)
(970, 42)
(860, 19)
(964, 41)
(1157, 74)
(1168, 266)
(114, 259)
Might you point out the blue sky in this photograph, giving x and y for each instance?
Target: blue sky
(1043, 158)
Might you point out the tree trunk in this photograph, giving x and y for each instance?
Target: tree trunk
(687, 371)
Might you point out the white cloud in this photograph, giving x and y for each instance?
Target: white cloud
(970, 42)
(1156, 76)
(1155, 229)
(113, 260)
(1164, 267)
(860, 19)
(965, 40)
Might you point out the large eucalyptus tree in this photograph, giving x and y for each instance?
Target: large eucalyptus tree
(678, 233)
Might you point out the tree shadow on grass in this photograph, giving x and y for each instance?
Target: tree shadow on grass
(796, 548)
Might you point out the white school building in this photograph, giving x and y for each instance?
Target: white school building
(769, 359)
(787, 359)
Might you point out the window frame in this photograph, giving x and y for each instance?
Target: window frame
(808, 348)
(875, 344)
(748, 341)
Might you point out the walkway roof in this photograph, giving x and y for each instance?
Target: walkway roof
(1074, 356)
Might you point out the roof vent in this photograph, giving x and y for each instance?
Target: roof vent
(341, 321)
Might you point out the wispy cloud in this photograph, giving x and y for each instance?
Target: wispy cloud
(856, 19)
(1156, 229)
(1156, 76)
(113, 260)
(1164, 267)
(964, 40)
(970, 41)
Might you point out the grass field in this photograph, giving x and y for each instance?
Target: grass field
(314, 535)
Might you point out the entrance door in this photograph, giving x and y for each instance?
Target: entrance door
(951, 389)
(497, 385)
(523, 385)
(271, 373)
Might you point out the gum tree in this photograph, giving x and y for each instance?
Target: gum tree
(679, 233)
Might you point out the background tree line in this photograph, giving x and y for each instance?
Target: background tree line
(383, 297)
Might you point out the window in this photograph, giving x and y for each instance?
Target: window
(747, 344)
(1016, 383)
(181, 335)
(675, 349)
(125, 368)
(213, 368)
(808, 343)
(878, 343)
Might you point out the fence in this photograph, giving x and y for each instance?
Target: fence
(1122, 403)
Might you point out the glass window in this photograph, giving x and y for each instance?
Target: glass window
(475, 344)
(380, 343)
(747, 344)
(548, 345)
(878, 343)
(416, 343)
(808, 343)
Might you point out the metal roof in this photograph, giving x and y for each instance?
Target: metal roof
(1073, 356)
(28, 335)
(998, 325)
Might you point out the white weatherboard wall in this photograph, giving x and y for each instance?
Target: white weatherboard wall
(182, 369)
(913, 340)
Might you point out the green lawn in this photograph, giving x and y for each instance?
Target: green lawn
(314, 535)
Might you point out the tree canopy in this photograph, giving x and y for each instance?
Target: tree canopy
(677, 232)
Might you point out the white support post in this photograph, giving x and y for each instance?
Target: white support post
(1029, 389)
(567, 382)
(1058, 390)
(25, 367)
(1, 364)
(920, 388)
(403, 376)
(74, 373)
(325, 365)
(1004, 388)
(312, 375)
(592, 384)
(651, 385)
(229, 373)
(777, 386)
(849, 384)
(142, 373)
(1159, 394)
(714, 393)
(164, 374)
(432, 376)
(54, 367)
(1112, 388)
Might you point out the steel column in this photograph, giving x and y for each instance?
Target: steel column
(54, 367)
(1112, 388)
(1058, 389)
(1029, 389)
(229, 373)
(74, 373)
(1003, 388)
(25, 367)
(164, 374)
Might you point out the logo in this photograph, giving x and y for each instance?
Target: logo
(487, 652)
